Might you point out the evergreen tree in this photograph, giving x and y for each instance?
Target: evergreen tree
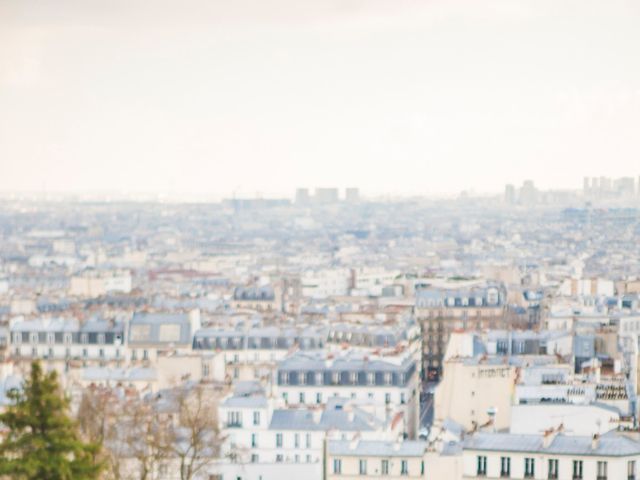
(41, 441)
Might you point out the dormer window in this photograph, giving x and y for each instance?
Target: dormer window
(68, 338)
(51, 338)
(371, 378)
(34, 338)
(84, 338)
(101, 338)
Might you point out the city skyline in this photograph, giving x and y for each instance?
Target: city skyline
(404, 98)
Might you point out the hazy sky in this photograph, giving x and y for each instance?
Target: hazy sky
(265, 95)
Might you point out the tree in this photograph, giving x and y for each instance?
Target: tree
(195, 436)
(42, 442)
(135, 440)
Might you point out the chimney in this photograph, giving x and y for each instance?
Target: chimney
(595, 442)
(547, 437)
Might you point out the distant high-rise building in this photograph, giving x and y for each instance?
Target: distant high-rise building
(326, 195)
(625, 186)
(528, 193)
(510, 194)
(586, 186)
(352, 194)
(302, 195)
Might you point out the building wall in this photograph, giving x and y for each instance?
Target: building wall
(466, 393)
(616, 467)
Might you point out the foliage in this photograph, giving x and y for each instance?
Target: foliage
(41, 440)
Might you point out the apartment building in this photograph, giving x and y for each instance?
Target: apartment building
(443, 311)
(551, 455)
(387, 382)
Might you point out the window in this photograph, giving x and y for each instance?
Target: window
(205, 369)
(234, 419)
(602, 471)
(256, 418)
(553, 469)
(34, 338)
(318, 398)
(529, 468)
(404, 467)
(387, 398)
(101, 338)
(255, 458)
(285, 397)
(145, 355)
(482, 466)
(363, 467)
(577, 469)
(387, 378)
(301, 397)
(337, 465)
(402, 399)
(631, 470)
(308, 459)
(51, 338)
(371, 378)
(84, 338)
(85, 352)
(279, 440)
(285, 378)
(279, 458)
(353, 378)
(296, 440)
(303, 378)
(384, 468)
(505, 467)
(308, 440)
(101, 352)
(254, 440)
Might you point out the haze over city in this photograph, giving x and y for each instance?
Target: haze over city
(407, 97)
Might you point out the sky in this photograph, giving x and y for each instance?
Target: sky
(258, 97)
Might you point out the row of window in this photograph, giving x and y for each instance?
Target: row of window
(255, 458)
(49, 353)
(363, 467)
(302, 397)
(64, 338)
(552, 468)
(234, 418)
(340, 378)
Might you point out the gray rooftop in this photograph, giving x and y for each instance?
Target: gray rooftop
(163, 328)
(608, 445)
(377, 448)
